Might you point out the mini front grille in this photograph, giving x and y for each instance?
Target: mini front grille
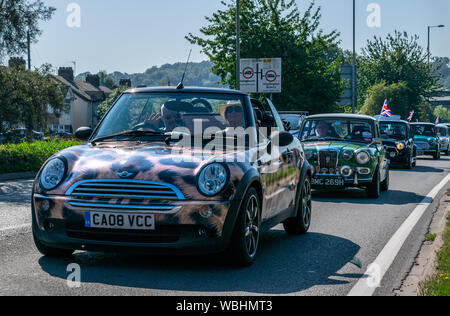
(328, 159)
(124, 195)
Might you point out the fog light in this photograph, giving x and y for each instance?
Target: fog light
(49, 226)
(392, 154)
(45, 206)
(206, 213)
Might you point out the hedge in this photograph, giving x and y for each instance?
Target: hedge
(26, 157)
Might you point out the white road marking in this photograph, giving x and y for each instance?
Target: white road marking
(6, 229)
(376, 271)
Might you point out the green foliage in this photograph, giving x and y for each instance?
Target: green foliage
(106, 80)
(396, 94)
(275, 28)
(30, 156)
(17, 17)
(26, 96)
(398, 58)
(106, 105)
(443, 113)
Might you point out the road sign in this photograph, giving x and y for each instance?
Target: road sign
(261, 75)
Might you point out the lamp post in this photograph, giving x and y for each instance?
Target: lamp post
(428, 47)
(354, 60)
(238, 45)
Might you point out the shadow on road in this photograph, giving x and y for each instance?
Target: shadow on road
(359, 196)
(285, 264)
(16, 191)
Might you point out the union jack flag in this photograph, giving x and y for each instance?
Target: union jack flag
(386, 112)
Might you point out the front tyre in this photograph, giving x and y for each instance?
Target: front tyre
(245, 240)
(374, 189)
(300, 224)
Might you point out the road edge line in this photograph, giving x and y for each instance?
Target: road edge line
(377, 270)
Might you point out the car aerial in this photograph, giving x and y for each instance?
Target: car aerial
(426, 139)
(346, 151)
(163, 172)
(294, 119)
(398, 141)
(444, 138)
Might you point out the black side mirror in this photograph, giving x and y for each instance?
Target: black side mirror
(280, 139)
(268, 120)
(83, 133)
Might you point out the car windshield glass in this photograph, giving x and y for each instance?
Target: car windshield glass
(393, 130)
(162, 113)
(424, 130)
(442, 131)
(337, 129)
(294, 120)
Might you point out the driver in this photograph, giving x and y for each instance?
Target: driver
(322, 129)
(233, 115)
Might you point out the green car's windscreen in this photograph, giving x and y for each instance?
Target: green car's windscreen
(338, 130)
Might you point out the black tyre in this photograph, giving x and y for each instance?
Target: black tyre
(437, 155)
(245, 240)
(385, 183)
(374, 189)
(300, 224)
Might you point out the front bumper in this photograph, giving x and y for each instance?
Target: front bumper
(197, 227)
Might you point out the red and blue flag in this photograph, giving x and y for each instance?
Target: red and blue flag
(386, 112)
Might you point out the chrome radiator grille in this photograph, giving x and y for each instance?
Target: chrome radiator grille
(328, 160)
(124, 195)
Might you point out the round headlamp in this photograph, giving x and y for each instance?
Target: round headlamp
(362, 158)
(346, 171)
(52, 174)
(212, 179)
(400, 146)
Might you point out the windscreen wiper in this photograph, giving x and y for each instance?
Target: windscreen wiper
(133, 133)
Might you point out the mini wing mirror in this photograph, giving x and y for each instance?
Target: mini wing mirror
(268, 120)
(83, 133)
(280, 139)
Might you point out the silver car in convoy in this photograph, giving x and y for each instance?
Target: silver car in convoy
(444, 138)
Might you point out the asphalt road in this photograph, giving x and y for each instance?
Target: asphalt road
(348, 232)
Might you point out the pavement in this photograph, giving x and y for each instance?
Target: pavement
(348, 232)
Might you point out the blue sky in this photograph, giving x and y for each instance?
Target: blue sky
(133, 35)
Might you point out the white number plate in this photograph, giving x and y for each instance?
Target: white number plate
(119, 221)
(328, 182)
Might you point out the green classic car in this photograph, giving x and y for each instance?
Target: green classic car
(346, 151)
(426, 139)
(444, 138)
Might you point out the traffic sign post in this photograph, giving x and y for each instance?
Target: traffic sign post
(261, 75)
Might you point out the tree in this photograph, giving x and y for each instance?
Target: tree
(397, 59)
(106, 80)
(17, 18)
(396, 94)
(106, 105)
(275, 28)
(28, 96)
(443, 113)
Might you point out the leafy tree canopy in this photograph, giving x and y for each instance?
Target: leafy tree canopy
(17, 17)
(275, 28)
(398, 58)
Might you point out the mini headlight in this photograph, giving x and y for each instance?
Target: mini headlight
(52, 174)
(347, 155)
(362, 158)
(400, 146)
(212, 179)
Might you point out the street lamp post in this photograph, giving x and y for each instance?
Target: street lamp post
(428, 47)
(354, 60)
(238, 45)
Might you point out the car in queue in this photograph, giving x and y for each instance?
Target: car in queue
(166, 171)
(444, 138)
(346, 151)
(426, 140)
(398, 141)
(294, 120)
